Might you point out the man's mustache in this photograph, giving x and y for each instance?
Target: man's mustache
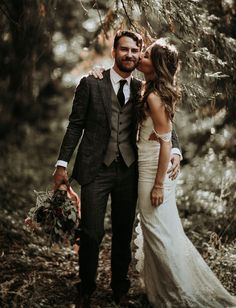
(129, 59)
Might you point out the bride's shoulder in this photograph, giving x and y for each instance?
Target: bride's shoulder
(154, 99)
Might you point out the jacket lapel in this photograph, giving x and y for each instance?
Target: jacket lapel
(105, 86)
(134, 89)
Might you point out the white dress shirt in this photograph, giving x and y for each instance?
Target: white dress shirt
(115, 80)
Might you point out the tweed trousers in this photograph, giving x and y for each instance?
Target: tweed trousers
(120, 182)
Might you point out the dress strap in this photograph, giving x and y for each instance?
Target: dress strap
(165, 137)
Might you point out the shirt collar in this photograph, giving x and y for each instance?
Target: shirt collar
(116, 77)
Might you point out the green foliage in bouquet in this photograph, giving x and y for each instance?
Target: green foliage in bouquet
(56, 215)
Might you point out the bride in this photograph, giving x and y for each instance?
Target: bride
(174, 273)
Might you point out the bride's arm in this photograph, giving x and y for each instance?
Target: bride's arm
(162, 127)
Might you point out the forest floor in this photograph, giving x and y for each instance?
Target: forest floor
(33, 274)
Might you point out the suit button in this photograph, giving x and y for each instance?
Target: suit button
(120, 122)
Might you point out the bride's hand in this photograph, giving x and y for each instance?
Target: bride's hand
(97, 72)
(157, 196)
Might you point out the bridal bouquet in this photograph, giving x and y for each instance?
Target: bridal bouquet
(56, 213)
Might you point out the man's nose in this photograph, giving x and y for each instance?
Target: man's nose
(130, 54)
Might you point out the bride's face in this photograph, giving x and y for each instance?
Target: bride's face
(145, 64)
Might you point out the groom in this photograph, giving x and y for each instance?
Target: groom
(103, 122)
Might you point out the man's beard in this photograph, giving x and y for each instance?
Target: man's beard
(124, 68)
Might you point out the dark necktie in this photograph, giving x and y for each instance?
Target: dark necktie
(120, 93)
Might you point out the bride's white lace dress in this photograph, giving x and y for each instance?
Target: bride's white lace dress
(174, 273)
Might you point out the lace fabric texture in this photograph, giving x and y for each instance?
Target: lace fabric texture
(138, 241)
(173, 271)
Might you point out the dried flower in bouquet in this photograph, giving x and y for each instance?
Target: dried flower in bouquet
(56, 213)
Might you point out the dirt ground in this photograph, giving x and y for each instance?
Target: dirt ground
(36, 275)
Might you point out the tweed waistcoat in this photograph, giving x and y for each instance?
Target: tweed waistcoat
(120, 142)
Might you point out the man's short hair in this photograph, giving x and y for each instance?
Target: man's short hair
(135, 36)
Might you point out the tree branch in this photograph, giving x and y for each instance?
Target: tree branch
(101, 22)
(84, 8)
(127, 15)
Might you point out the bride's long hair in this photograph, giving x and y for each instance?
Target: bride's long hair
(165, 61)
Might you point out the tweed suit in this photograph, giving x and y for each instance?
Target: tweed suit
(91, 115)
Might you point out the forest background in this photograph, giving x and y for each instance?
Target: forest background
(45, 48)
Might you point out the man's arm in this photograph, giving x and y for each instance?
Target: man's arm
(176, 156)
(76, 121)
(175, 141)
(73, 133)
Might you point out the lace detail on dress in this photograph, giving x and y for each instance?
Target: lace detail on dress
(165, 137)
(138, 241)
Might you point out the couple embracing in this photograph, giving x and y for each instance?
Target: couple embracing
(111, 160)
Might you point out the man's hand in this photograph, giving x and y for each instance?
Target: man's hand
(97, 72)
(60, 177)
(175, 168)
